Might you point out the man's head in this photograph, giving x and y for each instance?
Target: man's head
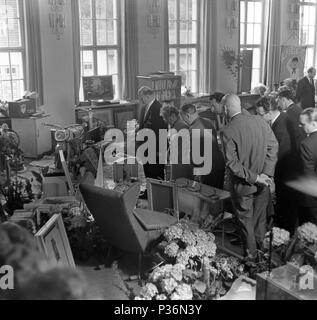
(189, 113)
(269, 106)
(216, 99)
(311, 73)
(231, 104)
(285, 98)
(146, 95)
(308, 120)
(170, 114)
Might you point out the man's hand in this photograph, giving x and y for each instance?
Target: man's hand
(264, 180)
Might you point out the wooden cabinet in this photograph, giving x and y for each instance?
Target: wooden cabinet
(35, 138)
(166, 87)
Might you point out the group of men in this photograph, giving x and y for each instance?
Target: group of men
(258, 152)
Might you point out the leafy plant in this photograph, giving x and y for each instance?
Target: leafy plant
(233, 61)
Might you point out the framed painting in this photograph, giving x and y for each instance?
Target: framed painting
(52, 241)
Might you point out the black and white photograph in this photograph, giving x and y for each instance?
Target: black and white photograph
(158, 150)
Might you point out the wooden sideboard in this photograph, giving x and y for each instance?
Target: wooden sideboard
(113, 114)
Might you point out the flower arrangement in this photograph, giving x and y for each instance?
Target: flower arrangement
(188, 245)
(195, 272)
(307, 233)
(280, 238)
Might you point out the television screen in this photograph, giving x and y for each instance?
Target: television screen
(98, 88)
(162, 196)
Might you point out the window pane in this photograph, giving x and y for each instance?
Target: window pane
(17, 89)
(5, 66)
(85, 9)
(107, 62)
(14, 33)
(183, 33)
(172, 12)
(86, 35)
(256, 58)
(87, 63)
(183, 9)
(173, 62)
(4, 40)
(6, 91)
(242, 30)
(16, 65)
(242, 11)
(172, 32)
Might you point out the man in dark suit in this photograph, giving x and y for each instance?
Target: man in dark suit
(251, 155)
(306, 90)
(285, 209)
(293, 112)
(308, 153)
(181, 169)
(191, 117)
(150, 118)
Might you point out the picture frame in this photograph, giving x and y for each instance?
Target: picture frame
(98, 88)
(53, 242)
(162, 196)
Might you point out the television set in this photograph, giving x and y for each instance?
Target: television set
(98, 88)
(163, 196)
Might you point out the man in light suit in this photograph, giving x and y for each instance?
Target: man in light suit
(150, 118)
(306, 90)
(251, 155)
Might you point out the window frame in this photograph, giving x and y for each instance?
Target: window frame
(308, 46)
(95, 48)
(21, 49)
(246, 46)
(178, 46)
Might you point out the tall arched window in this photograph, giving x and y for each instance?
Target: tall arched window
(183, 16)
(307, 30)
(12, 50)
(251, 33)
(100, 39)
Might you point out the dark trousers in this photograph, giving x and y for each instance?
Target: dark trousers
(251, 212)
(286, 208)
(308, 215)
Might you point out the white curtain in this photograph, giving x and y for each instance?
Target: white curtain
(76, 49)
(34, 73)
(272, 50)
(129, 49)
(208, 52)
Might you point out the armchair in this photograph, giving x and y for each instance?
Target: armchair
(125, 227)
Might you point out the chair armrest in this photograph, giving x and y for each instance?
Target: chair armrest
(152, 220)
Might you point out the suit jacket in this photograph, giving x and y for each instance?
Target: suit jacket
(293, 125)
(284, 168)
(308, 154)
(250, 149)
(153, 120)
(306, 93)
(216, 176)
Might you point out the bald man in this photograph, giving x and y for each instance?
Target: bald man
(251, 155)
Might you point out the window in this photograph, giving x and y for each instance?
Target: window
(100, 39)
(251, 34)
(307, 30)
(183, 19)
(12, 50)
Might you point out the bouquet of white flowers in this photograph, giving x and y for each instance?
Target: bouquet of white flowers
(307, 233)
(280, 237)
